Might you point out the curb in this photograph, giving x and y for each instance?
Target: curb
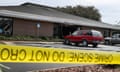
(21, 42)
(7, 43)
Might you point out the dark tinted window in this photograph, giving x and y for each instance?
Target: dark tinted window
(89, 33)
(80, 33)
(119, 36)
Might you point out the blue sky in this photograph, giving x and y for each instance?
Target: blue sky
(109, 9)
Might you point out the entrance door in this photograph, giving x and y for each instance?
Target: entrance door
(6, 26)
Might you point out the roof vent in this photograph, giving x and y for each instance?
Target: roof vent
(26, 4)
(34, 4)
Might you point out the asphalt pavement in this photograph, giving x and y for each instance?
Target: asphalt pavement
(24, 67)
(100, 47)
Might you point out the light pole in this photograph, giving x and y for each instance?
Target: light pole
(38, 28)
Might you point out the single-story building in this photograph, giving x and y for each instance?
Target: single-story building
(38, 20)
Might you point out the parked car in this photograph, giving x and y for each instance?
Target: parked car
(85, 37)
(115, 39)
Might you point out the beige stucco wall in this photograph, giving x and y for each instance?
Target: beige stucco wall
(28, 27)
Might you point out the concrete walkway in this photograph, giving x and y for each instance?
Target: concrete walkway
(19, 42)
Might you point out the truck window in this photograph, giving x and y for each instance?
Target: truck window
(89, 33)
(75, 33)
(96, 33)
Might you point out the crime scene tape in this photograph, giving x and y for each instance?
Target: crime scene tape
(29, 54)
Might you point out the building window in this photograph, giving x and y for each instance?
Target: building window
(115, 32)
(106, 33)
(6, 25)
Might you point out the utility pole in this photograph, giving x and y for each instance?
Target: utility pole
(38, 29)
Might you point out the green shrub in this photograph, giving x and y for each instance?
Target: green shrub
(111, 66)
(29, 38)
(2, 37)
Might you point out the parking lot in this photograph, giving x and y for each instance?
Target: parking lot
(100, 47)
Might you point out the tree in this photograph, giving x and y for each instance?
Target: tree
(88, 12)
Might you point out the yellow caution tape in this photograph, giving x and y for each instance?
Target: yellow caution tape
(27, 54)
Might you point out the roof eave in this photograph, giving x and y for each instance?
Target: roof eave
(48, 18)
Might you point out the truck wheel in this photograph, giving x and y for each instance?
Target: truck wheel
(67, 42)
(76, 44)
(84, 43)
(95, 45)
(107, 42)
(112, 44)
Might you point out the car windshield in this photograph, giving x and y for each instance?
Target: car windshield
(116, 36)
(75, 33)
(96, 33)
